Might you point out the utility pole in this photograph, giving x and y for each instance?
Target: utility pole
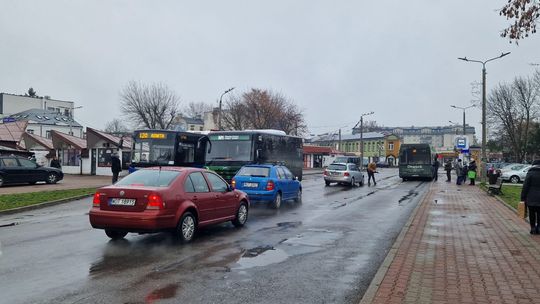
(220, 107)
(484, 128)
(362, 137)
(339, 141)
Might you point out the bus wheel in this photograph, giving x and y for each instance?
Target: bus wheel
(404, 179)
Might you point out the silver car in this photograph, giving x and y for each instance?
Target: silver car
(343, 173)
(516, 176)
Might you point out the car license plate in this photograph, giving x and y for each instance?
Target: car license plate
(122, 202)
(251, 185)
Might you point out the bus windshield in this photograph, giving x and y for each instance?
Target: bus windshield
(415, 156)
(230, 148)
(154, 151)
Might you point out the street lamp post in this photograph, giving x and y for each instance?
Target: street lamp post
(71, 119)
(220, 105)
(484, 129)
(362, 137)
(462, 108)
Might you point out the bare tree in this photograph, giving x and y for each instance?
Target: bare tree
(263, 109)
(524, 15)
(196, 109)
(150, 106)
(233, 116)
(511, 109)
(116, 126)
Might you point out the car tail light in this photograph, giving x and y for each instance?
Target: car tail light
(97, 200)
(346, 174)
(325, 173)
(155, 202)
(270, 186)
(233, 183)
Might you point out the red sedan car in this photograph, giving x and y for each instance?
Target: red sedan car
(174, 199)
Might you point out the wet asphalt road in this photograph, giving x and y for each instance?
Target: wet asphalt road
(325, 250)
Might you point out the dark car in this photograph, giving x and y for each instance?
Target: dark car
(174, 199)
(268, 183)
(19, 170)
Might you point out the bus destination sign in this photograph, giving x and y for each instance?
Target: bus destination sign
(146, 135)
(229, 137)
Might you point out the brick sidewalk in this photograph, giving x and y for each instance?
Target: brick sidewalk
(465, 248)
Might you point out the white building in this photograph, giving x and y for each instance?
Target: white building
(43, 122)
(11, 104)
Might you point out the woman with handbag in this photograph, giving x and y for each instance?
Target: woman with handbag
(471, 173)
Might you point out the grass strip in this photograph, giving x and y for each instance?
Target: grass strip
(511, 195)
(11, 201)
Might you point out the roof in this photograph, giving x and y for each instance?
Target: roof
(12, 131)
(126, 143)
(335, 136)
(10, 151)
(77, 142)
(193, 121)
(45, 142)
(317, 149)
(45, 117)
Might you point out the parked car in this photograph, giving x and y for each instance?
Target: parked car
(495, 166)
(513, 167)
(174, 199)
(20, 170)
(343, 173)
(268, 183)
(516, 176)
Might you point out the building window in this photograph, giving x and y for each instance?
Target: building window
(48, 134)
(391, 146)
(200, 128)
(191, 127)
(30, 131)
(105, 157)
(70, 157)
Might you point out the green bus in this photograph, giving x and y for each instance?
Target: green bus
(416, 162)
(233, 149)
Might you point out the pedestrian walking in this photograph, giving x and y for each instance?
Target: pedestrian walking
(116, 167)
(371, 170)
(530, 195)
(55, 163)
(471, 172)
(436, 165)
(464, 173)
(448, 169)
(459, 173)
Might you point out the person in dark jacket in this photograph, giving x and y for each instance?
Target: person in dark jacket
(530, 194)
(436, 165)
(459, 172)
(448, 169)
(55, 163)
(471, 173)
(116, 167)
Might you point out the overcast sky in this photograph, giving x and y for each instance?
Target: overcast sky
(335, 59)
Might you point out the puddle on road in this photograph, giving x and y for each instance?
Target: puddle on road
(9, 225)
(407, 197)
(289, 224)
(166, 292)
(260, 257)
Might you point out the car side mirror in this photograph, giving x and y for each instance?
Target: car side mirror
(229, 188)
(258, 153)
(295, 178)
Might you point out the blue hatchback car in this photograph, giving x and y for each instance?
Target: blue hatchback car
(268, 183)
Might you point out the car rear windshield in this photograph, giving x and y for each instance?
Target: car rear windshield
(149, 178)
(254, 171)
(337, 167)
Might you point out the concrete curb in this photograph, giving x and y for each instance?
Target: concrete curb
(373, 287)
(45, 204)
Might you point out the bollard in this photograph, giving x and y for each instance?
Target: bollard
(522, 210)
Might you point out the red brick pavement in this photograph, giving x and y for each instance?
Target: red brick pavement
(465, 248)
